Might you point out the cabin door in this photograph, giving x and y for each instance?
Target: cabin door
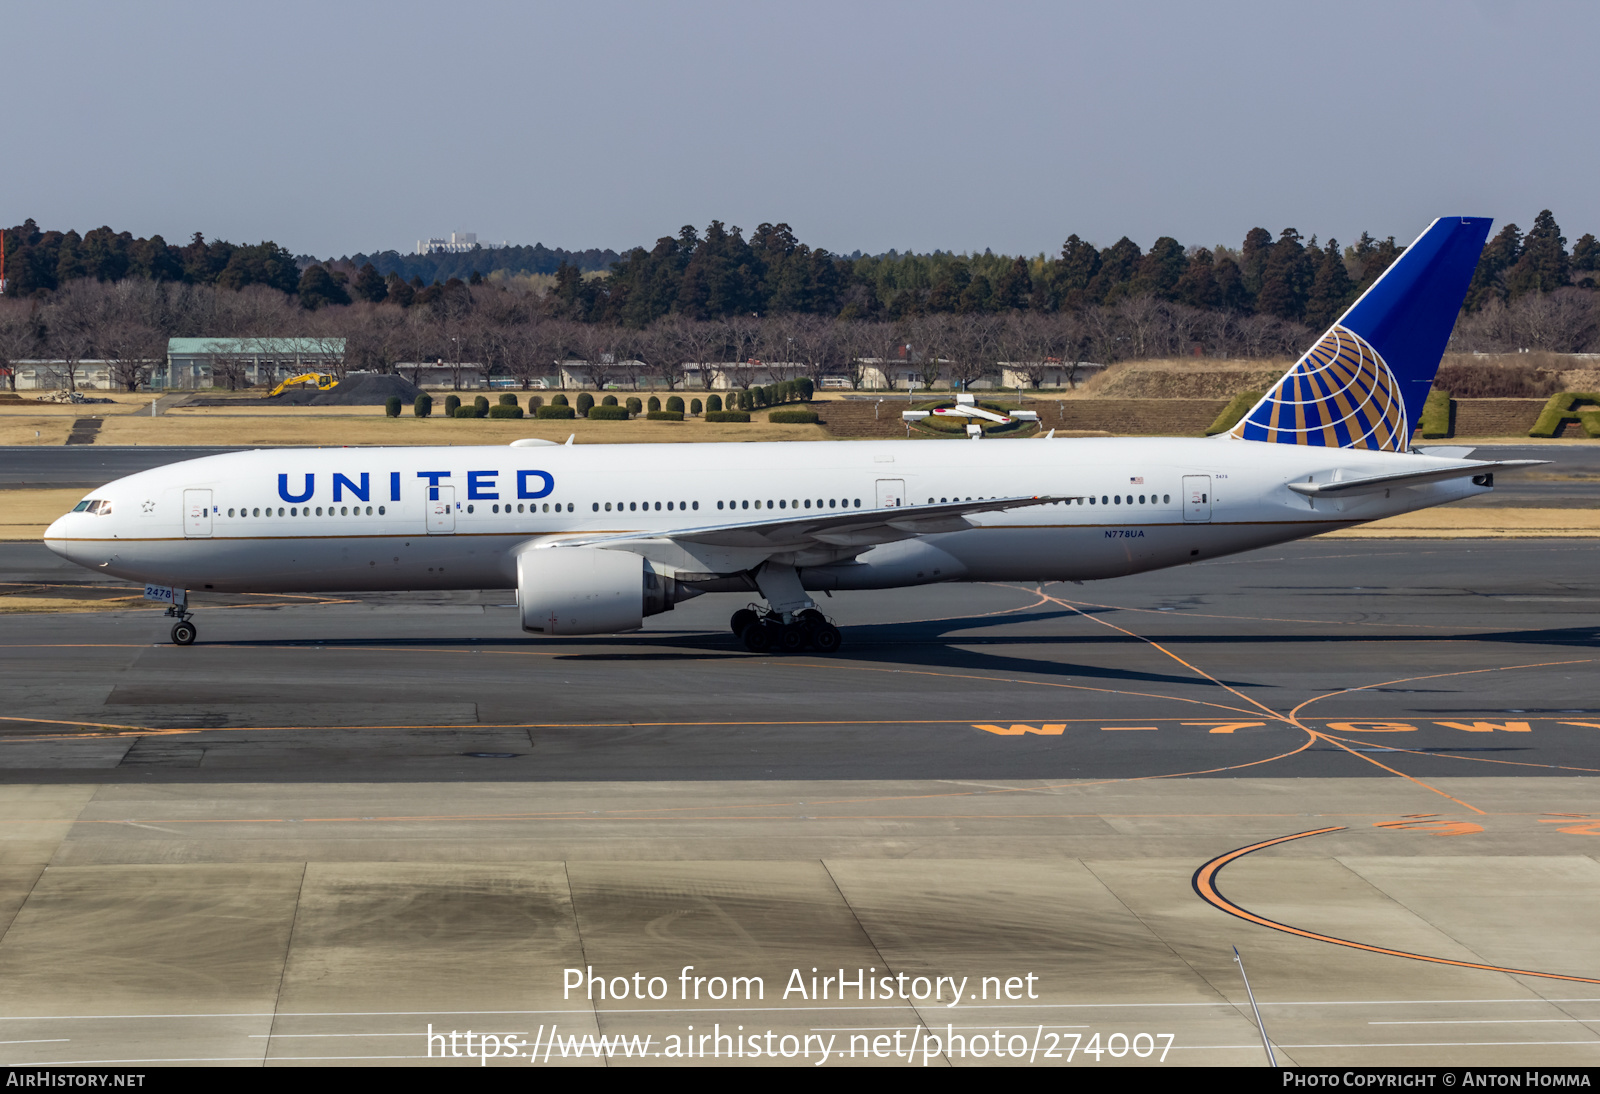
(197, 514)
(441, 510)
(1197, 498)
(891, 493)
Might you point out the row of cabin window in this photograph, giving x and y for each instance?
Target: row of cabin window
(296, 511)
(637, 505)
(833, 503)
(1117, 499)
(533, 508)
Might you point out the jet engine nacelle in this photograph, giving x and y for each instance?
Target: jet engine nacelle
(590, 590)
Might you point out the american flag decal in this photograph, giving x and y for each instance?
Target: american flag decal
(1138, 481)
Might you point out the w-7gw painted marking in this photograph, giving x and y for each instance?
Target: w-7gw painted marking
(596, 538)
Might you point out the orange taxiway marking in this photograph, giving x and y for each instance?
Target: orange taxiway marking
(1205, 886)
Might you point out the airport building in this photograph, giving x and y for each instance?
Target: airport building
(441, 375)
(455, 243)
(243, 362)
(62, 375)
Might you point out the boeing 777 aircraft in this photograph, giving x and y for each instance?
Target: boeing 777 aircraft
(595, 538)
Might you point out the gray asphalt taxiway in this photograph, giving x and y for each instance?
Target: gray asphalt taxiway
(336, 822)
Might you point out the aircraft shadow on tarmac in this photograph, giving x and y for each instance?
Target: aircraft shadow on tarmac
(943, 644)
(931, 644)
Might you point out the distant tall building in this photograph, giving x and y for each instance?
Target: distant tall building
(456, 244)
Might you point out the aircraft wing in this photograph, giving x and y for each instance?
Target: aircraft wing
(844, 528)
(1373, 483)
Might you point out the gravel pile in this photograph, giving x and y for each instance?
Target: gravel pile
(357, 389)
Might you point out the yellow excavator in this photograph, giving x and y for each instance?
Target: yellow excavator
(321, 379)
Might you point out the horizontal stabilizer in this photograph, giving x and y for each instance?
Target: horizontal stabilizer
(1373, 483)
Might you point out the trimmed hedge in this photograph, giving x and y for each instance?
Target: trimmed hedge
(465, 412)
(695, 407)
(481, 405)
(612, 413)
(793, 417)
(423, 407)
(555, 411)
(609, 400)
(503, 411)
(535, 402)
(675, 403)
(727, 416)
(559, 400)
(1233, 412)
(634, 405)
(713, 403)
(1438, 415)
(451, 402)
(585, 403)
(1563, 408)
(508, 399)
(391, 406)
(664, 415)
(654, 404)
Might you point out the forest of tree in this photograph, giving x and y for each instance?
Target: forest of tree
(441, 266)
(717, 297)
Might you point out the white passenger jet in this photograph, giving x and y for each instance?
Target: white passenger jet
(595, 538)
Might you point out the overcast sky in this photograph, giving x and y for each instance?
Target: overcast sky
(339, 127)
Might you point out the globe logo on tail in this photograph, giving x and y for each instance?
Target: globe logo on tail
(1341, 394)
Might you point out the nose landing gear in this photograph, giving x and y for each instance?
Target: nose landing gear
(183, 632)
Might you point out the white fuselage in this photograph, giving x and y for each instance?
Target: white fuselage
(293, 520)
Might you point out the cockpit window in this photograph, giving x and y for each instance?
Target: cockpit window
(98, 506)
(80, 507)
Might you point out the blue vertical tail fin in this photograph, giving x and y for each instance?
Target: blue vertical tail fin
(1364, 382)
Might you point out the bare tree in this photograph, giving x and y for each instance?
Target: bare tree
(776, 349)
(598, 344)
(1559, 322)
(928, 346)
(19, 335)
(131, 349)
(526, 352)
(815, 343)
(877, 345)
(374, 335)
(326, 337)
(739, 336)
(670, 346)
(70, 321)
(973, 348)
(1030, 344)
(699, 344)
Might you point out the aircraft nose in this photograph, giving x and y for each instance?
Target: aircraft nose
(55, 537)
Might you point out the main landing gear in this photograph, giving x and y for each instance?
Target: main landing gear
(790, 622)
(764, 631)
(183, 632)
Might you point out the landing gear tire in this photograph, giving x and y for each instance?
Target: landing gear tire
(825, 638)
(757, 638)
(184, 633)
(744, 617)
(792, 639)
